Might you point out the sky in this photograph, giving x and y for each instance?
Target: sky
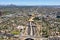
(30, 2)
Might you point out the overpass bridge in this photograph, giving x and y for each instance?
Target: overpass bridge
(31, 32)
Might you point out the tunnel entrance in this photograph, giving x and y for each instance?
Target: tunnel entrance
(29, 39)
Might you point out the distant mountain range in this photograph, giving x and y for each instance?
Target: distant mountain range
(49, 6)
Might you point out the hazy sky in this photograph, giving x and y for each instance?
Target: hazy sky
(30, 2)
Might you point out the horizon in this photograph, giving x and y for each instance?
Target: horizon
(30, 2)
(27, 5)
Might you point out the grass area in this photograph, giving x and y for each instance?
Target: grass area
(15, 32)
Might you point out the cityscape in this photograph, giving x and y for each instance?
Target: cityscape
(29, 20)
(29, 23)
